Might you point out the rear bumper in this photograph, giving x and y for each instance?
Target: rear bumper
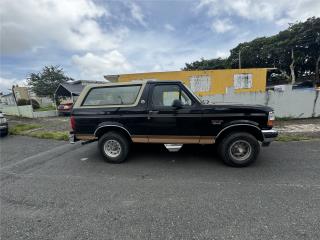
(72, 137)
(269, 136)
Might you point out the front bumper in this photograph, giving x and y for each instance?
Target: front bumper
(3, 126)
(269, 136)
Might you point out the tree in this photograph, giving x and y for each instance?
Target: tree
(45, 83)
(203, 64)
(294, 51)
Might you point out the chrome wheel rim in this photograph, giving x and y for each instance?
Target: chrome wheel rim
(112, 148)
(240, 150)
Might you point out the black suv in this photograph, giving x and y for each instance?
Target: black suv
(167, 112)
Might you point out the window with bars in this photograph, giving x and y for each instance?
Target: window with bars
(200, 83)
(242, 81)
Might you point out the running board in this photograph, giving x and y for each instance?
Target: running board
(88, 141)
(173, 147)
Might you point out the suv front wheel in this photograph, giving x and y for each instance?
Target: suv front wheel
(114, 147)
(239, 149)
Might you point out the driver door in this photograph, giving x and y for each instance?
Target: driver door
(168, 124)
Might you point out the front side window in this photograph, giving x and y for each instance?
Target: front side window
(118, 95)
(164, 95)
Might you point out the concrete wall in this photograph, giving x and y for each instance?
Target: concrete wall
(44, 101)
(45, 114)
(26, 111)
(297, 103)
(23, 111)
(300, 103)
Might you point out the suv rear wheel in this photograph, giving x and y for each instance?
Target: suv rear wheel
(239, 149)
(114, 147)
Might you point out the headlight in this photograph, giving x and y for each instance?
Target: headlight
(271, 118)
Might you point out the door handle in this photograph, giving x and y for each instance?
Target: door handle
(153, 111)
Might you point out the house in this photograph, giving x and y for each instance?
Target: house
(207, 82)
(71, 90)
(27, 94)
(8, 99)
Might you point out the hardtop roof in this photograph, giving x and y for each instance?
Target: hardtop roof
(134, 82)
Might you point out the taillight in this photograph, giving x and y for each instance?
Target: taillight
(271, 118)
(72, 123)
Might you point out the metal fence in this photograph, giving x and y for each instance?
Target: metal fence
(291, 103)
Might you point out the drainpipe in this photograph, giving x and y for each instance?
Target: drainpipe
(267, 98)
(15, 100)
(32, 113)
(315, 103)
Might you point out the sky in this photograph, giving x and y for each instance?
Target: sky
(92, 38)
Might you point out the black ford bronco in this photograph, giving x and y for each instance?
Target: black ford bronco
(167, 112)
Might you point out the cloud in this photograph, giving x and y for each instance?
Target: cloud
(270, 10)
(95, 66)
(72, 25)
(137, 14)
(222, 25)
(222, 54)
(6, 83)
(169, 27)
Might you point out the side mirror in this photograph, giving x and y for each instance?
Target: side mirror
(177, 104)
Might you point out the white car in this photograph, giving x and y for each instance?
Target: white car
(3, 126)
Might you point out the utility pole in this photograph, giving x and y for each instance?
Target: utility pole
(239, 55)
(15, 100)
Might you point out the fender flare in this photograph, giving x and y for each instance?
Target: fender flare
(234, 124)
(104, 125)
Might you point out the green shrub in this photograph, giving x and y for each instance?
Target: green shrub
(47, 108)
(56, 135)
(23, 102)
(35, 104)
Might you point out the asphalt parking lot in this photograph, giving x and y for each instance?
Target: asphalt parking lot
(53, 190)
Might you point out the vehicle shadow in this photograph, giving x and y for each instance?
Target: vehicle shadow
(187, 154)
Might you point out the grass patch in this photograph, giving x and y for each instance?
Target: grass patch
(20, 128)
(285, 118)
(56, 135)
(290, 138)
(47, 108)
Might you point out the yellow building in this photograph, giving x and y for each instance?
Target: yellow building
(207, 82)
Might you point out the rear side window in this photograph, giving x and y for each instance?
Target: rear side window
(119, 95)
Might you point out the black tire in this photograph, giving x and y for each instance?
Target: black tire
(114, 138)
(229, 144)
